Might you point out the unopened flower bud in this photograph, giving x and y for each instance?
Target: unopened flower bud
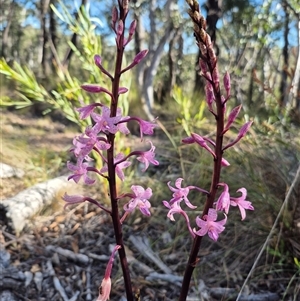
(98, 63)
(120, 28)
(210, 96)
(125, 6)
(226, 81)
(203, 35)
(140, 56)
(224, 162)
(132, 27)
(92, 88)
(98, 60)
(232, 116)
(122, 90)
(244, 129)
(136, 60)
(203, 49)
(114, 15)
(215, 75)
(203, 22)
(203, 66)
(211, 55)
(188, 140)
(196, 16)
(208, 41)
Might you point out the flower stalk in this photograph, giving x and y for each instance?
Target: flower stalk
(216, 102)
(100, 139)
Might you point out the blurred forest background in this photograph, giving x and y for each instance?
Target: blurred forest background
(47, 53)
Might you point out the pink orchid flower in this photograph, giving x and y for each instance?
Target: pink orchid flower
(148, 157)
(180, 193)
(139, 199)
(80, 170)
(241, 202)
(208, 225)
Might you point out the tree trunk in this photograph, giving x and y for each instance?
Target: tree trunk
(294, 95)
(44, 7)
(284, 74)
(5, 36)
(146, 74)
(150, 72)
(173, 57)
(138, 37)
(53, 35)
(69, 52)
(19, 209)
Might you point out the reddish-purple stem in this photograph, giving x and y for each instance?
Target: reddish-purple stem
(111, 167)
(219, 116)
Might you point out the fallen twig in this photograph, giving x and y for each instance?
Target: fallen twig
(142, 245)
(81, 258)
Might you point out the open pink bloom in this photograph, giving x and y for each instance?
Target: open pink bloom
(106, 282)
(122, 127)
(80, 170)
(139, 199)
(241, 202)
(146, 127)
(119, 166)
(104, 122)
(79, 147)
(148, 157)
(175, 208)
(98, 142)
(180, 193)
(84, 144)
(223, 203)
(208, 225)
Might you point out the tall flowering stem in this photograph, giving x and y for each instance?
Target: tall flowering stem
(217, 106)
(100, 139)
(123, 10)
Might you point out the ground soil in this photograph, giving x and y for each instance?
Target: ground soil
(35, 145)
